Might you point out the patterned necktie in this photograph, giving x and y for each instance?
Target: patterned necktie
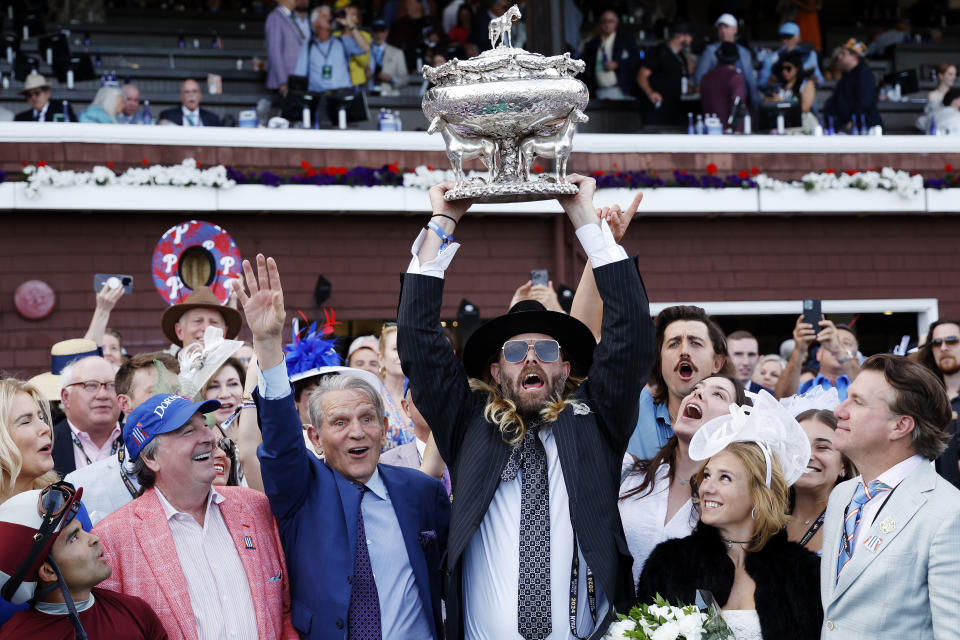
(533, 595)
(192, 117)
(364, 616)
(860, 497)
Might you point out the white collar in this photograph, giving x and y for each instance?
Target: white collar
(898, 472)
(169, 510)
(421, 446)
(60, 608)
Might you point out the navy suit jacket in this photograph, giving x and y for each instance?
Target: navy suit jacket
(175, 115)
(316, 512)
(64, 461)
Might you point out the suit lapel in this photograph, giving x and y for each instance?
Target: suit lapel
(240, 525)
(350, 501)
(563, 431)
(902, 505)
(160, 554)
(832, 532)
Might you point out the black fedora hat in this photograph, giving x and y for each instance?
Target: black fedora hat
(529, 316)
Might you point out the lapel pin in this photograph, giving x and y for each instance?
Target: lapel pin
(888, 525)
(248, 542)
(872, 543)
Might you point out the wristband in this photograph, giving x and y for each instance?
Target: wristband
(443, 215)
(445, 238)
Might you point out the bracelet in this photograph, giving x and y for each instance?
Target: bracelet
(443, 235)
(443, 215)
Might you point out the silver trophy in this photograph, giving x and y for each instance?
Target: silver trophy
(507, 107)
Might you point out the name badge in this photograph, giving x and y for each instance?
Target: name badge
(327, 72)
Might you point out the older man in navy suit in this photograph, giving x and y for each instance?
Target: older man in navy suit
(363, 541)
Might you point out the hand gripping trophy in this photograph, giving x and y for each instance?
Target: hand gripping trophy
(507, 107)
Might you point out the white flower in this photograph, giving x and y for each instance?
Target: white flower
(667, 631)
(617, 630)
(691, 626)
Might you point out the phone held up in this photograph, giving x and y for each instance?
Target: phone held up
(812, 312)
(113, 280)
(540, 276)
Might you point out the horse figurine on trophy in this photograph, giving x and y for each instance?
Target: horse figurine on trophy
(557, 146)
(499, 29)
(460, 148)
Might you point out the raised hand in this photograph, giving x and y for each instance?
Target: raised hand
(454, 208)
(619, 219)
(263, 309)
(579, 208)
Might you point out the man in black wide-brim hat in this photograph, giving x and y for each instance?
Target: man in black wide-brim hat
(533, 426)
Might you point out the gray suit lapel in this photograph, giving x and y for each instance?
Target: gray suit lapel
(902, 505)
(832, 535)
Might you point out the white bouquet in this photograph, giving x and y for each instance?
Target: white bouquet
(663, 621)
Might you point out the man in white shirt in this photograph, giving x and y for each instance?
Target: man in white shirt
(208, 561)
(189, 113)
(90, 431)
(891, 536)
(534, 455)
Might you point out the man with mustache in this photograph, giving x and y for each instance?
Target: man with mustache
(941, 354)
(690, 347)
(534, 451)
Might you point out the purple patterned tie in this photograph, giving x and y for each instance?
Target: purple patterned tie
(364, 616)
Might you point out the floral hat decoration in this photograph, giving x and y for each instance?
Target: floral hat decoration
(313, 354)
(816, 398)
(768, 424)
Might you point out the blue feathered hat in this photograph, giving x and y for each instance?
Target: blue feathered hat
(313, 354)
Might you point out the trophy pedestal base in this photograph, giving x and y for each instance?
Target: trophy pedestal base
(512, 191)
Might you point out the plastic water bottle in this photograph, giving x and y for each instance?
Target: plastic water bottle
(932, 131)
(342, 118)
(830, 130)
(690, 129)
(146, 119)
(86, 38)
(305, 117)
(97, 62)
(214, 41)
(69, 79)
(780, 124)
(863, 124)
(181, 43)
(66, 111)
(698, 128)
(380, 119)
(747, 125)
(397, 121)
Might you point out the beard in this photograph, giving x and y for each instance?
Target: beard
(529, 404)
(948, 365)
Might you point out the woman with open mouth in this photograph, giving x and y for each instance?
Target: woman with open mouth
(655, 503)
(227, 386)
(766, 586)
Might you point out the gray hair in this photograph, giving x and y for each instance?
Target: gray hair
(145, 476)
(106, 99)
(316, 12)
(342, 382)
(66, 375)
(772, 357)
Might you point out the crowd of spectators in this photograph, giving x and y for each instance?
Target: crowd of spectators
(239, 488)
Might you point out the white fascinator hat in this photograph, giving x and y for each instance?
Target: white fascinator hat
(768, 424)
(815, 398)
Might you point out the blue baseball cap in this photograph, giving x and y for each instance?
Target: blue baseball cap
(789, 29)
(160, 414)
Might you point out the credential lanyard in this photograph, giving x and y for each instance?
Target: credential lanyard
(79, 446)
(121, 455)
(575, 590)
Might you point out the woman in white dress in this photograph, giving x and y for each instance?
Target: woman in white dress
(767, 586)
(655, 502)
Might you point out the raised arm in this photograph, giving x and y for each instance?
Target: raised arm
(106, 299)
(285, 467)
(789, 381)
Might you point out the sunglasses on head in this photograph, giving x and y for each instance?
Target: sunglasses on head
(546, 350)
(939, 342)
(227, 446)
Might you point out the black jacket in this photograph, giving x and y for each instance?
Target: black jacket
(787, 578)
(55, 108)
(63, 457)
(175, 115)
(625, 54)
(855, 94)
(590, 445)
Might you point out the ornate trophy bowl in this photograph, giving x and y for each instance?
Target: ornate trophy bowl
(507, 107)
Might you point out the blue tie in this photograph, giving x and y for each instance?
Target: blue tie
(852, 517)
(364, 613)
(192, 117)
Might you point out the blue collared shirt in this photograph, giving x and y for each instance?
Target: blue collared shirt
(401, 610)
(334, 52)
(653, 428)
(841, 385)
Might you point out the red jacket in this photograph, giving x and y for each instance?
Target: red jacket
(139, 547)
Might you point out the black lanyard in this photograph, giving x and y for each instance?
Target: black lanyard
(812, 531)
(121, 455)
(78, 445)
(575, 590)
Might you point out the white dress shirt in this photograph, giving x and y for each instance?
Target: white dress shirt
(644, 516)
(185, 120)
(491, 562)
(216, 581)
(891, 477)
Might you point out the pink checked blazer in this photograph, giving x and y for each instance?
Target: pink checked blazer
(139, 547)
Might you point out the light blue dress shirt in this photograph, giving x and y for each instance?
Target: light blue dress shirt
(401, 611)
(841, 385)
(335, 52)
(653, 428)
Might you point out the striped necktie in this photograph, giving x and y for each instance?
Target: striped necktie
(852, 517)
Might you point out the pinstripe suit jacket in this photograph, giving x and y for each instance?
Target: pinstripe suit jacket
(139, 547)
(909, 587)
(590, 446)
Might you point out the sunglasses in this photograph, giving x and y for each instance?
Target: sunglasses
(33, 93)
(57, 507)
(546, 350)
(227, 446)
(939, 342)
(788, 67)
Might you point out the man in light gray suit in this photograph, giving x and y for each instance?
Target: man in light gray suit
(891, 537)
(285, 33)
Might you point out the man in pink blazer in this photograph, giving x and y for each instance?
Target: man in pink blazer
(209, 562)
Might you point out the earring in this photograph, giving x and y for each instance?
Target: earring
(753, 513)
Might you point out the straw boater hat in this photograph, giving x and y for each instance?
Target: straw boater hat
(201, 298)
(529, 316)
(34, 81)
(62, 354)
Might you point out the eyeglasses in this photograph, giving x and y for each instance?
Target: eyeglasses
(52, 505)
(546, 350)
(93, 386)
(227, 446)
(788, 67)
(33, 93)
(939, 342)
